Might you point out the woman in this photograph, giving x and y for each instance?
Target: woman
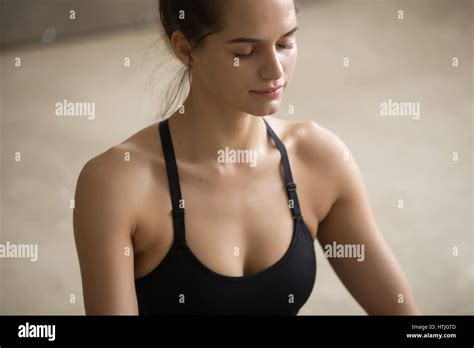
(215, 209)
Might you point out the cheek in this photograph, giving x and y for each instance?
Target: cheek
(223, 78)
(289, 62)
(231, 82)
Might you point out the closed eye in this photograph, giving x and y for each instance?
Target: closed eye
(243, 56)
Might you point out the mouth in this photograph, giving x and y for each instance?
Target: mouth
(271, 93)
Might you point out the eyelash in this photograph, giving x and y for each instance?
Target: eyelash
(243, 56)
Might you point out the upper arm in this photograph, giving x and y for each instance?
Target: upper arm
(103, 221)
(376, 281)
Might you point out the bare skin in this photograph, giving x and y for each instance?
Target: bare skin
(124, 204)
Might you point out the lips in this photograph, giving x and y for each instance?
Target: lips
(269, 90)
(273, 93)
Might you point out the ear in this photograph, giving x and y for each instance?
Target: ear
(182, 48)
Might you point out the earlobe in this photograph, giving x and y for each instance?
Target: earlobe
(187, 54)
(190, 60)
(181, 47)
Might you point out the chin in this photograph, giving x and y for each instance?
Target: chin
(260, 113)
(266, 110)
(262, 109)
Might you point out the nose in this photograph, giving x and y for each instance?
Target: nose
(272, 67)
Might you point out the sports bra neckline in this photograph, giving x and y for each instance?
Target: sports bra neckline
(298, 223)
(179, 239)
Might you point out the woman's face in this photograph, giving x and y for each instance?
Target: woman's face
(230, 68)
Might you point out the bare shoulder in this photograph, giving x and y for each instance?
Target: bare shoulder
(113, 181)
(125, 161)
(319, 148)
(313, 142)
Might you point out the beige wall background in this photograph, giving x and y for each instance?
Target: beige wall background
(405, 60)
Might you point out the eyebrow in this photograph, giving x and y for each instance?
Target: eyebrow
(247, 39)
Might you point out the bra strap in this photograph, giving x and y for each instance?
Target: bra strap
(290, 185)
(173, 182)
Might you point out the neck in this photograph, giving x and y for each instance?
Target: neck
(206, 127)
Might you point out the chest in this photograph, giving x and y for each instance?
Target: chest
(238, 220)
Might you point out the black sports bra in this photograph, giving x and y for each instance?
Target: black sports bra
(183, 285)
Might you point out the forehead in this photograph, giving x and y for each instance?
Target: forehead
(264, 19)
